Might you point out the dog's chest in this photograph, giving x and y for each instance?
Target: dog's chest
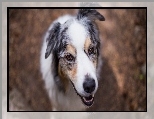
(68, 101)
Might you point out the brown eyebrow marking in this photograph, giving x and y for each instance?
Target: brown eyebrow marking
(71, 49)
(87, 44)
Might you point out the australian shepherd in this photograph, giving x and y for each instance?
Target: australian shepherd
(69, 60)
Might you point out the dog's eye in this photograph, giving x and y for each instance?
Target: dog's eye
(69, 57)
(91, 51)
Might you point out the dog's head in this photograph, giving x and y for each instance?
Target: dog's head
(75, 47)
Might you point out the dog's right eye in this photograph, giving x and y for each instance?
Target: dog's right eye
(69, 57)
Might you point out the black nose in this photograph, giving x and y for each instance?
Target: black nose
(89, 85)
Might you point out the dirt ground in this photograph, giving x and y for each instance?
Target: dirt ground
(122, 85)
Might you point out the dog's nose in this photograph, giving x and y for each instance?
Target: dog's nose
(89, 85)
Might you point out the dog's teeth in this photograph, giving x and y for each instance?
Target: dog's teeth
(91, 99)
(84, 99)
(88, 100)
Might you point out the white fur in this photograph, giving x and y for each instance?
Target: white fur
(67, 102)
(78, 34)
(59, 101)
(70, 100)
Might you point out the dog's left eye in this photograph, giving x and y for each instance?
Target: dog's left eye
(69, 57)
(91, 51)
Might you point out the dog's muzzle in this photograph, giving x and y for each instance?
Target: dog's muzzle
(88, 86)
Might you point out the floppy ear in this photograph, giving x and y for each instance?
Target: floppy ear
(90, 14)
(52, 39)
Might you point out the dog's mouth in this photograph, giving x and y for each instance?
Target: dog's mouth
(88, 101)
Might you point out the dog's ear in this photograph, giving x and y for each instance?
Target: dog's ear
(90, 14)
(52, 39)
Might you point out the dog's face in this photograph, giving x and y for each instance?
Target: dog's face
(78, 61)
(76, 44)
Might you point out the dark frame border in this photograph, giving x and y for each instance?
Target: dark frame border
(8, 8)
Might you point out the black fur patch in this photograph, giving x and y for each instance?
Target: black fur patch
(52, 40)
(90, 14)
(94, 34)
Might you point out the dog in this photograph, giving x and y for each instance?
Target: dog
(69, 60)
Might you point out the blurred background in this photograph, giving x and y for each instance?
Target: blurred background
(122, 85)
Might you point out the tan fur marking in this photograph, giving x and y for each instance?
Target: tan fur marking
(95, 63)
(86, 47)
(66, 74)
(71, 49)
(73, 72)
(87, 44)
(63, 77)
